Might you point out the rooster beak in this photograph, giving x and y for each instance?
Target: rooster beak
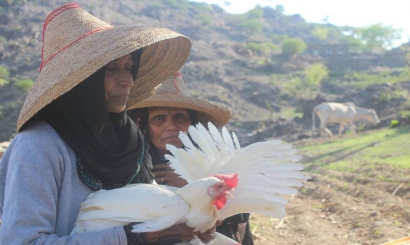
(229, 194)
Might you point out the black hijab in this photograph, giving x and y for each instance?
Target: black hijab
(109, 147)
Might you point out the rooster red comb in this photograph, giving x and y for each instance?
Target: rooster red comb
(231, 180)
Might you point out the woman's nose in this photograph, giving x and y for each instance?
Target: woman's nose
(172, 126)
(125, 79)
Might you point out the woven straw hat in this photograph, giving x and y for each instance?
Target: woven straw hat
(76, 44)
(174, 93)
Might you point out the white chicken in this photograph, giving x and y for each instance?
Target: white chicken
(213, 166)
(157, 207)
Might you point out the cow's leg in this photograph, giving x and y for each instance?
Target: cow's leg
(322, 129)
(341, 127)
(328, 132)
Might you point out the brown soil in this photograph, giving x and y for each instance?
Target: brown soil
(342, 208)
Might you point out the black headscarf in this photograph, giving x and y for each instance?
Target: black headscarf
(109, 146)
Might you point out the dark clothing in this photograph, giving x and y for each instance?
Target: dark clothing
(235, 227)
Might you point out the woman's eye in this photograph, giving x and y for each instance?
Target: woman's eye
(181, 118)
(159, 118)
(109, 68)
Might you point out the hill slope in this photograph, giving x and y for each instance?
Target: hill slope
(236, 59)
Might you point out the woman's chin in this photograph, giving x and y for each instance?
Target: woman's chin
(175, 142)
(116, 108)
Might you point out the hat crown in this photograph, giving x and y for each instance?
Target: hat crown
(174, 85)
(66, 25)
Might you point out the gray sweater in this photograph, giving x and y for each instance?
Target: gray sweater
(40, 192)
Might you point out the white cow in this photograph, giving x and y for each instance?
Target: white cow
(342, 113)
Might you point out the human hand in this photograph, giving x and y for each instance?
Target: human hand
(178, 231)
(165, 175)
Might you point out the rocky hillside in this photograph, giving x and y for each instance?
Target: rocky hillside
(236, 60)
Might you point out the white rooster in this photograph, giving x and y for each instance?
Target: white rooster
(263, 171)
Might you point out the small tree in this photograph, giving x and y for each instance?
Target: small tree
(293, 46)
(280, 9)
(314, 76)
(304, 87)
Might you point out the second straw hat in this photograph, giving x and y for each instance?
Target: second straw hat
(174, 93)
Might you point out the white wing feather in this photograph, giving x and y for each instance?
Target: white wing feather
(109, 208)
(266, 170)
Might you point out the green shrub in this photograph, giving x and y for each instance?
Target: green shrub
(385, 97)
(394, 123)
(25, 84)
(404, 114)
(4, 73)
(262, 48)
(293, 46)
(256, 13)
(320, 33)
(3, 82)
(251, 26)
(205, 20)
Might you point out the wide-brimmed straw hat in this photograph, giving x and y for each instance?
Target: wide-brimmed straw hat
(76, 44)
(174, 93)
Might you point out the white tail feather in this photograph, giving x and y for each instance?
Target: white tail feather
(265, 169)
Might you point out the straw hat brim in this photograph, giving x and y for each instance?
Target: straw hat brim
(207, 111)
(164, 52)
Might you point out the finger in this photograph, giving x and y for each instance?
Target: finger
(162, 166)
(177, 182)
(159, 173)
(161, 180)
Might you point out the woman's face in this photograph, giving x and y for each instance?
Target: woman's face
(118, 82)
(164, 125)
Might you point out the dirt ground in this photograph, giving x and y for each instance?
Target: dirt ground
(342, 208)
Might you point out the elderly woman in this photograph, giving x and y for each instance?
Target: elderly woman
(74, 136)
(161, 117)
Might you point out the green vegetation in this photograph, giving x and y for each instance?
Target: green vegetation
(293, 46)
(177, 4)
(371, 38)
(3, 82)
(4, 73)
(265, 49)
(205, 19)
(363, 80)
(252, 21)
(394, 123)
(25, 84)
(312, 78)
(405, 114)
(280, 9)
(371, 148)
(3, 40)
(320, 32)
